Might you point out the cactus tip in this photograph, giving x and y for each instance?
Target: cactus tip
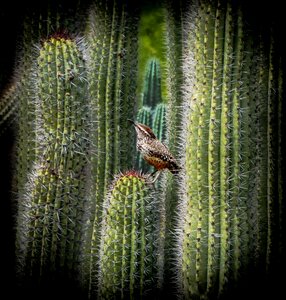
(58, 35)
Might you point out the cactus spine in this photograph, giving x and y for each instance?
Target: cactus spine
(50, 210)
(8, 107)
(127, 263)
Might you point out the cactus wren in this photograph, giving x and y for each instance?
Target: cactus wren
(154, 152)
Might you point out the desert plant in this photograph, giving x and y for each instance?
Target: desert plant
(152, 84)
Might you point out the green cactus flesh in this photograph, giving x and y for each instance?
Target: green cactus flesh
(39, 23)
(159, 121)
(152, 84)
(168, 183)
(127, 264)
(50, 210)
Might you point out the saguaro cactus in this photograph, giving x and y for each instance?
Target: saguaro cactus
(51, 206)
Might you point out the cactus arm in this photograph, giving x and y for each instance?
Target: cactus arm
(239, 223)
(190, 222)
(110, 158)
(98, 80)
(206, 36)
(168, 185)
(271, 163)
(98, 31)
(118, 83)
(152, 84)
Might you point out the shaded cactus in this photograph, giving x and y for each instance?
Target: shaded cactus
(51, 205)
(144, 116)
(38, 23)
(152, 84)
(152, 112)
(159, 121)
(128, 250)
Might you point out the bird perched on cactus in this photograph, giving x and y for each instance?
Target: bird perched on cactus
(154, 152)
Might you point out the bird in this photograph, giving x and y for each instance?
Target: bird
(154, 152)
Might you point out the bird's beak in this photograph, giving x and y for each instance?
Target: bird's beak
(131, 121)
